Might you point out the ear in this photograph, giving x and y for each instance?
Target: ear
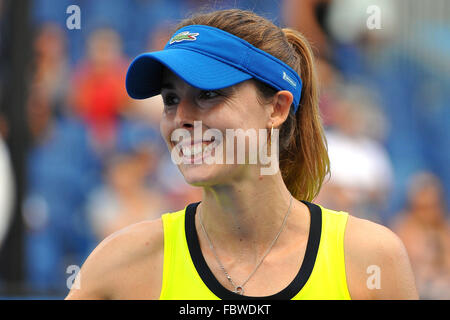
(281, 104)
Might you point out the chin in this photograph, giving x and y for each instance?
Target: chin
(204, 175)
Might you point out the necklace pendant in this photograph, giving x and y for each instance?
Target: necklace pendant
(239, 290)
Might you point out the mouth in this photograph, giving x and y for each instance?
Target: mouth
(192, 151)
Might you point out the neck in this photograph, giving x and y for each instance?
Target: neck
(244, 217)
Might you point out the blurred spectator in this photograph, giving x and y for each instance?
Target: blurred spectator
(425, 231)
(52, 71)
(307, 16)
(126, 198)
(361, 172)
(98, 92)
(129, 194)
(356, 49)
(348, 22)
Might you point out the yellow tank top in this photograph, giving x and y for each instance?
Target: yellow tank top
(186, 276)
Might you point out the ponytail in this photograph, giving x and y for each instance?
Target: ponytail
(304, 161)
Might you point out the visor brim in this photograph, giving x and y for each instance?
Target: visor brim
(144, 75)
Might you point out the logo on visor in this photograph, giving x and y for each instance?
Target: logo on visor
(184, 36)
(288, 79)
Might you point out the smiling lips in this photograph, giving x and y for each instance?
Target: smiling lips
(191, 150)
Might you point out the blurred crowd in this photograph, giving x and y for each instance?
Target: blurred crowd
(97, 162)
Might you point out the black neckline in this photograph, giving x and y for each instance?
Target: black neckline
(223, 293)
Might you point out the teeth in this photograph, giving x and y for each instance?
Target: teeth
(195, 149)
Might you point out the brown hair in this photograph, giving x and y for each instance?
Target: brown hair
(304, 159)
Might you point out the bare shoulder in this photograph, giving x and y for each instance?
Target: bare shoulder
(377, 264)
(125, 265)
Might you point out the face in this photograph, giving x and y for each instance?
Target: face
(196, 110)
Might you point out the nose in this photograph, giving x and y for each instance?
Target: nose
(185, 114)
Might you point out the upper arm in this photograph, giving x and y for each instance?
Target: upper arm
(377, 264)
(119, 266)
(91, 281)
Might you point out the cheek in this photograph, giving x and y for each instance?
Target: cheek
(242, 114)
(252, 114)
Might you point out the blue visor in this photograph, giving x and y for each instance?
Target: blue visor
(209, 59)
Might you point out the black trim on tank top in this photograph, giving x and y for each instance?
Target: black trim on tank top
(223, 293)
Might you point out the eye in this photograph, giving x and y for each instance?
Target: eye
(171, 99)
(208, 94)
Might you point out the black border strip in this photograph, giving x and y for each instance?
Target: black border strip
(287, 293)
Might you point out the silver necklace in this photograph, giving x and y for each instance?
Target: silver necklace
(239, 289)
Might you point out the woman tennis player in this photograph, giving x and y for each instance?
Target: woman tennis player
(252, 235)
